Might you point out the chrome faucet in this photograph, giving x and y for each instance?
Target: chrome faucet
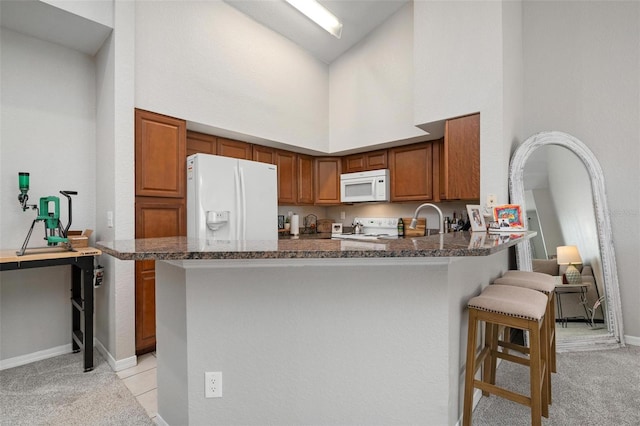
(414, 221)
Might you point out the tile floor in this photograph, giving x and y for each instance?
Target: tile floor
(142, 382)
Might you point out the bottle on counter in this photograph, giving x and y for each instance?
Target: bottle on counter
(400, 228)
(446, 224)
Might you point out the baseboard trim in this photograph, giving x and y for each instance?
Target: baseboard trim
(632, 340)
(35, 356)
(116, 365)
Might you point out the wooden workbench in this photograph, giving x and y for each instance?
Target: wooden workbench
(82, 263)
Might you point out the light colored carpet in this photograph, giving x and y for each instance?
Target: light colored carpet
(590, 388)
(55, 391)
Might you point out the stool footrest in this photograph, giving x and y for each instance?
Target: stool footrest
(512, 358)
(503, 393)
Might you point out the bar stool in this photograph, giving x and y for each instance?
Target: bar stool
(546, 284)
(514, 307)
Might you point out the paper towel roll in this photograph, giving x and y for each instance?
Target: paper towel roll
(295, 225)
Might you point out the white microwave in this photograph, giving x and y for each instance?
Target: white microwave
(364, 186)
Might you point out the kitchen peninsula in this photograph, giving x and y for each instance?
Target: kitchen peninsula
(309, 331)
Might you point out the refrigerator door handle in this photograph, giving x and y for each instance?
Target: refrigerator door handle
(244, 204)
(238, 200)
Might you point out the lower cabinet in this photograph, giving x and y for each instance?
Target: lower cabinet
(155, 217)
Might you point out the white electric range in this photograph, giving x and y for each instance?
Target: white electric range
(373, 228)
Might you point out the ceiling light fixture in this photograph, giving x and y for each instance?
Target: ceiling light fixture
(319, 14)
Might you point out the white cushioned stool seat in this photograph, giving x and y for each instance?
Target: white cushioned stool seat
(546, 284)
(533, 280)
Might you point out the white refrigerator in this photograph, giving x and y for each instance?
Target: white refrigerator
(230, 199)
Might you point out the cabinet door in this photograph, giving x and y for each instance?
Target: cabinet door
(411, 172)
(353, 163)
(437, 148)
(373, 160)
(160, 152)
(287, 177)
(154, 218)
(200, 143)
(234, 149)
(376, 160)
(305, 179)
(327, 180)
(462, 158)
(264, 154)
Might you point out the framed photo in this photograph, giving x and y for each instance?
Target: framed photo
(509, 217)
(336, 228)
(476, 218)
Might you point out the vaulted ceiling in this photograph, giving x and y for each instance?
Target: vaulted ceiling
(359, 18)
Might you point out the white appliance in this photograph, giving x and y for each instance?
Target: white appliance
(373, 228)
(230, 199)
(364, 186)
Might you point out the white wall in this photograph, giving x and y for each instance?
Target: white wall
(115, 300)
(458, 70)
(210, 64)
(581, 76)
(48, 129)
(371, 88)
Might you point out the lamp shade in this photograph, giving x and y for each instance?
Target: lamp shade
(568, 255)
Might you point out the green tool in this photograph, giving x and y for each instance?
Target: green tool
(48, 213)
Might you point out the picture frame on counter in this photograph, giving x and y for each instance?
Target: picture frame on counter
(476, 218)
(336, 228)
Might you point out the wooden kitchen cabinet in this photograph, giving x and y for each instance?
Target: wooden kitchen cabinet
(234, 149)
(201, 143)
(155, 217)
(160, 150)
(365, 161)
(459, 163)
(411, 172)
(264, 154)
(305, 179)
(160, 190)
(327, 180)
(287, 177)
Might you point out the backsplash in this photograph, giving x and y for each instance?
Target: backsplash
(375, 210)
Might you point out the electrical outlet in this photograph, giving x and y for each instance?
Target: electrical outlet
(343, 215)
(492, 200)
(213, 384)
(109, 219)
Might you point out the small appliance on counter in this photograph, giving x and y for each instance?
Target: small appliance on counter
(372, 228)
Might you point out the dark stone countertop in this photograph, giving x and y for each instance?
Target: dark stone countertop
(456, 244)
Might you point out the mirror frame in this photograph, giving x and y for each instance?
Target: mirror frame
(603, 224)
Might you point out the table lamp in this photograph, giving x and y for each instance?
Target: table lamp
(569, 255)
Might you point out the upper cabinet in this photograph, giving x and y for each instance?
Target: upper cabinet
(327, 180)
(200, 143)
(411, 172)
(160, 155)
(287, 178)
(305, 179)
(460, 159)
(363, 162)
(264, 154)
(234, 149)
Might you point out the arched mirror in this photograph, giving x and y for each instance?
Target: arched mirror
(560, 185)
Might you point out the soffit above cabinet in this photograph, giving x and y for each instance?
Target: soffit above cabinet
(50, 23)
